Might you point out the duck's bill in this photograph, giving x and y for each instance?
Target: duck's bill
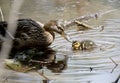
(67, 37)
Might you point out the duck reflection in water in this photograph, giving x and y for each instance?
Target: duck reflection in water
(38, 59)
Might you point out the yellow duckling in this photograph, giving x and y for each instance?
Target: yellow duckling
(83, 45)
(76, 45)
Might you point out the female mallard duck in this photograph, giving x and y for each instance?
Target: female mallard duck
(30, 33)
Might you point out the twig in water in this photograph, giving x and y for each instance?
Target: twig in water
(116, 81)
(87, 17)
(36, 61)
(2, 17)
(113, 68)
(41, 74)
(83, 24)
(5, 79)
(114, 63)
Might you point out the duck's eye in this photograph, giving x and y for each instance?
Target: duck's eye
(54, 27)
(60, 28)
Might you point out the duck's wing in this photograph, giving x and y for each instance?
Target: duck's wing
(25, 25)
(30, 34)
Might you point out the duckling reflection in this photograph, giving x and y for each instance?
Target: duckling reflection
(58, 66)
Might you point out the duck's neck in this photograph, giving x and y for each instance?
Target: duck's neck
(50, 36)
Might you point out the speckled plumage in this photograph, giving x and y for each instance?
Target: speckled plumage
(30, 34)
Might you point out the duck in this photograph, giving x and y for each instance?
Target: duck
(31, 33)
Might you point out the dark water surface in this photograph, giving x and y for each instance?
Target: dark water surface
(82, 66)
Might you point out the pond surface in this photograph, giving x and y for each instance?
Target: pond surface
(94, 66)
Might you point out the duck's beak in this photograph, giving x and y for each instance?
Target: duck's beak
(65, 36)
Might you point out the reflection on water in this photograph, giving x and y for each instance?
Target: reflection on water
(81, 66)
(40, 58)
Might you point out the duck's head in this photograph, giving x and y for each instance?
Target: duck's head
(56, 26)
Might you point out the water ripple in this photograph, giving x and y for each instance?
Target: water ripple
(81, 62)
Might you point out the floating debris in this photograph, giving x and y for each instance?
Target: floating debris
(82, 26)
(86, 17)
(102, 28)
(17, 66)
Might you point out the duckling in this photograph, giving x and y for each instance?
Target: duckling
(76, 45)
(83, 45)
(88, 45)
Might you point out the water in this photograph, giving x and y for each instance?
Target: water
(82, 66)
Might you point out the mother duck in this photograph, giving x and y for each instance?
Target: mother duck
(31, 33)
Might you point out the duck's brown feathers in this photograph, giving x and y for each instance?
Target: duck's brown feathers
(30, 34)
